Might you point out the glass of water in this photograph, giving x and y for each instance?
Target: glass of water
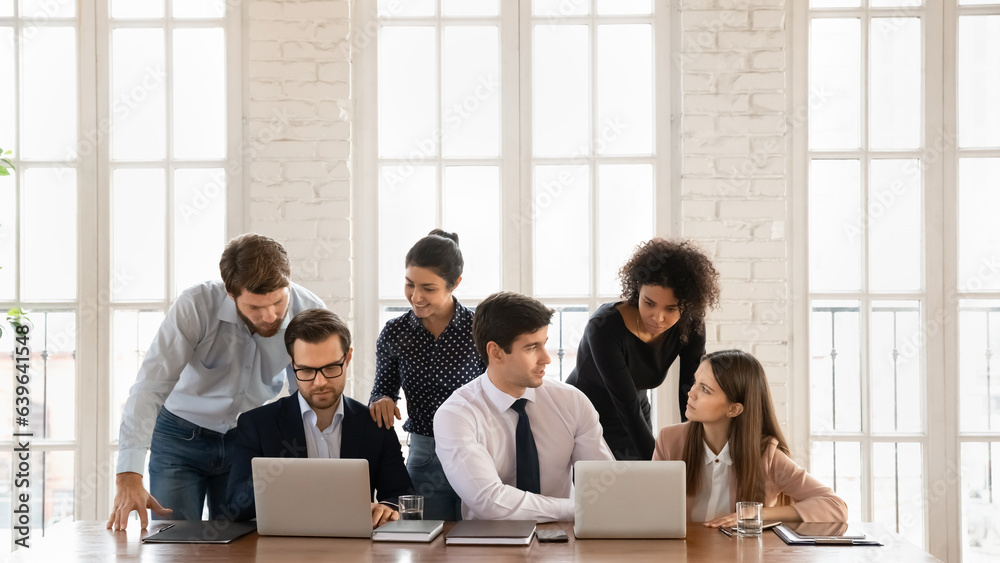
(411, 507)
(748, 520)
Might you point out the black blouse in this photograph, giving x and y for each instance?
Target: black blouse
(614, 368)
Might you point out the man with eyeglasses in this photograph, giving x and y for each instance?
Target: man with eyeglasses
(318, 420)
(217, 353)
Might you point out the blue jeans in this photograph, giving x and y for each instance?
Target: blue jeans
(440, 500)
(186, 463)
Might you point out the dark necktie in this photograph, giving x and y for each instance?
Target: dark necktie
(527, 455)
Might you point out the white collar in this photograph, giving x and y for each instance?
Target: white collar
(723, 456)
(502, 401)
(307, 411)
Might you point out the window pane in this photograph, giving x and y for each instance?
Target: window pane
(470, 7)
(133, 332)
(834, 3)
(894, 220)
(199, 9)
(199, 93)
(5, 498)
(472, 209)
(897, 337)
(407, 93)
(979, 369)
(8, 226)
(51, 491)
(6, 10)
(560, 8)
(835, 234)
(838, 464)
(42, 10)
(562, 230)
(48, 228)
(407, 211)
(53, 375)
(401, 8)
(979, 81)
(897, 483)
(624, 7)
(199, 225)
(6, 394)
(565, 333)
(835, 84)
(835, 369)
(625, 218)
(138, 235)
(895, 75)
(471, 96)
(978, 230)
(896, 3)
(561, 91)
(48, 114)
(624, 89)
(137, 8)
(139, 96)
(7, 106)
(980, 502)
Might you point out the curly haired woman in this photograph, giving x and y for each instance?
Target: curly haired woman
(628, 346)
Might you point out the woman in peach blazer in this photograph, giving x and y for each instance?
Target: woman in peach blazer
(731, 422)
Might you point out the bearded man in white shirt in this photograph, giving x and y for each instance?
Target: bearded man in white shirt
(508, 439)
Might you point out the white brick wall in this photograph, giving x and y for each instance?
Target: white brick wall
(733, 169)
(734, 157)
(298, 130)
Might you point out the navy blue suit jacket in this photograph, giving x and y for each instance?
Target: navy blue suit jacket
(275, 430)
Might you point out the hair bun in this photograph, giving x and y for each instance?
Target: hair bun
(445, 234)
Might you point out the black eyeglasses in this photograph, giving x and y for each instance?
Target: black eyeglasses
(330, 371)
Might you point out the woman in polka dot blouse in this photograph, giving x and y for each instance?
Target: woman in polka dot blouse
(429, 353)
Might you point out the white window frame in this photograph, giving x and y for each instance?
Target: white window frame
(942, 487)
(516, 243)
(233, 163)
(94, 472)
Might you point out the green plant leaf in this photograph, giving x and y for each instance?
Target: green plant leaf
(4, 172)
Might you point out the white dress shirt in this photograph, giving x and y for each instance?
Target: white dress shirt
(474, 431)
(713, 493)
(322, 443)
(205, 367)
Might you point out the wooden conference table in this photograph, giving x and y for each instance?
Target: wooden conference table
(90, 541)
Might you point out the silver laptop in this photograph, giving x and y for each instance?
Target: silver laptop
(630, 499)
(312, 497)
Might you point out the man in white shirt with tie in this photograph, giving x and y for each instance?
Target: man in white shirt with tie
(508, 439)
(318, 421)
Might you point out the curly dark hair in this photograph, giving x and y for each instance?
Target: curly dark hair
(681, 266)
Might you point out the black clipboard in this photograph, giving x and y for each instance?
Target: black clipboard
(205, 531)
(791, 538)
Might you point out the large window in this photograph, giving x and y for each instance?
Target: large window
(39, 123)
(903, 292)
(538, 131)
(120, 118)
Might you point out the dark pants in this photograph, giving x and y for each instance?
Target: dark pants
(188, 463)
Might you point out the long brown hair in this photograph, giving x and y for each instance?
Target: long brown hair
(742, 379)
